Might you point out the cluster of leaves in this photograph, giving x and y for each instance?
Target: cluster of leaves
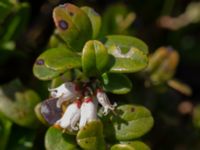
(84, 46)
(75, 46)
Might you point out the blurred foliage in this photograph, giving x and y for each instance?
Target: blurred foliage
(26, 30)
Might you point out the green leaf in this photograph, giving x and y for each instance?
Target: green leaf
(56, 140)
(73, 25)
(132, 61)
(196, 116)
(116, 83)
(95, 19)
(162, 65)
(128, 54)
(95, 58)
(5, 9)
(90, 137)
(55, 61)
(116, 20)
(42, 72)
(60, 59)
(5, 128)
(125, 43)
(16, 25)
(18, 104)
(130, 122)
(135, 145)
(56, 41)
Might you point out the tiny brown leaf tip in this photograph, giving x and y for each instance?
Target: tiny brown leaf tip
(40, 62)
(63, 24)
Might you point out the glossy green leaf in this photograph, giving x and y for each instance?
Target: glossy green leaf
(125, 43)
(95, 19)
(90, 137)
(5, 128)
(73, 25)
(130, 122)
(95, 58)
(55, 61)
(60, 59)
(132, 61)
(116, 83)
(135, 145)
(56, 140)
(44, 73)
(17, 104)
(56, 41)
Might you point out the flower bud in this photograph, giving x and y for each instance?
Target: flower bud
(88, 111)
(104, 101)
(65, 92)
(71, 116)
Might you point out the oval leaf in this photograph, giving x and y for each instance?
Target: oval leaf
(18, 104)
(95, 19)
(55, 61)
(125, 43)
(73, 25)
(42, 72)
(135, 145)
(131, 61)
(56, 140)
(131, 122)
(116, 83)
(94, 58)
(60, 59)
(90, 137)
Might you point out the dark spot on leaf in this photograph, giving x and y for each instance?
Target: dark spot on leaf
(71, 13)
(40, 62)
(86, 142)
(63, 24)
(132, 109)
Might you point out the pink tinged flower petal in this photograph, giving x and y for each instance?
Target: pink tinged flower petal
(65, 92)
(88, 111)
(104, 101)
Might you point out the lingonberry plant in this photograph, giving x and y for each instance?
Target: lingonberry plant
(83, 70)
(94, 81)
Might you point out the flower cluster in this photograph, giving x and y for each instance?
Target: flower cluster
(82, 104)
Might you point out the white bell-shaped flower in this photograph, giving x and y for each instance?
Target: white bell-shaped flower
(65, 92)
(88, 111)
(104, 101)
(70, 117)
